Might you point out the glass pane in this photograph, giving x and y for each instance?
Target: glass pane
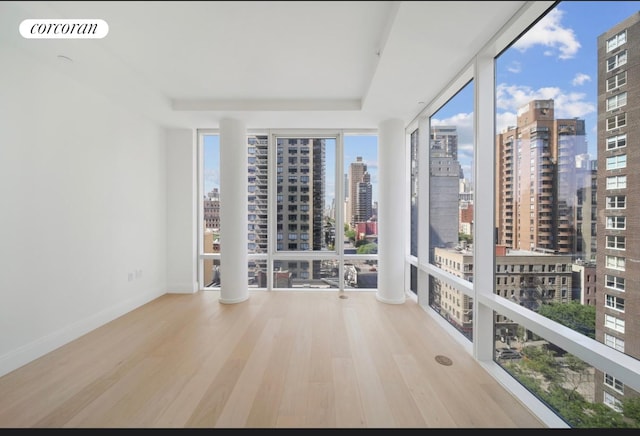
(361, 274)
(413, 279)
(257, 187)
(451, 206)
(313, 274)
(584, 396)
(414, 194)
(211, 184)
(565, 217)
(211, 273)
(257, 273)
(361, 194)
(210, 239)
(305, 186)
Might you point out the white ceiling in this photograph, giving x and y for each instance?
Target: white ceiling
(277, 64)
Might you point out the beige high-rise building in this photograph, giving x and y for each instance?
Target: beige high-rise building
(356, 173)
(537, 181)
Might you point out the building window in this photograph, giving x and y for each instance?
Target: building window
(616, 202)
(617, 121)
(612, 402)
(616, 81)
(617, 142)
(614, 282)
(614, 323)
(616, 222)
(616, 242)
(616, 101)
(615, 262)
(617, 162)
(616, 41)
(617, 60)
(613, 302)
(616, 182)
(614, 342)
(613, 383)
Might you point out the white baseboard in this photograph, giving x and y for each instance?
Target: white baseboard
(27, 353)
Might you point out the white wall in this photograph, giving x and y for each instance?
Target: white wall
(182, 209)
(83, 204)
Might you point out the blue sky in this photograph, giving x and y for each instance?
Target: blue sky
(556, 58)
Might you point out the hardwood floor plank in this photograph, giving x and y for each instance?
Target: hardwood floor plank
(222, 332)
(264, 410)
(238, 405)
(377, 409)
(300, 359)
(348, 404)
(382, 344)
(293, 404)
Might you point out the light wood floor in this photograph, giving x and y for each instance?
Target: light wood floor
(279, 359)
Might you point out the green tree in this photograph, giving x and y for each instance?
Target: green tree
(370, 248)
(541, 361)
(465, 237)
(578, 317)
(350, 234)
(631, 410)
(567, 402)
(361, 242)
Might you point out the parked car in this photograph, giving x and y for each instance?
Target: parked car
(507, 354)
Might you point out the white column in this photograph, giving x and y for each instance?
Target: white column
(233, 212)
(391, 216)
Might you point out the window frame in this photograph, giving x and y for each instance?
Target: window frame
(616, 61)
(616, 81)
(616, 141)
(616, 101)
(616, 41)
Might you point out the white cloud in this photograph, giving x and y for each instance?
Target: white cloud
(509, 98)
(550, 33)
(463, 123)
(464, 128)
(566, 105)
(504, 120)
(580, 79)
(514, 67)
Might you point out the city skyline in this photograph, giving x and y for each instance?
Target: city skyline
(364, 146)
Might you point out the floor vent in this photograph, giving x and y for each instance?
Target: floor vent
(444, 360)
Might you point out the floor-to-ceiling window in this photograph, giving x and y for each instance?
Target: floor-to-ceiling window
(257, 209)
(563, 204)
(545, 272)
(450, 171)
(311, 209)
(360, 236)
(413, 209)
(209, 210)
(305, 184)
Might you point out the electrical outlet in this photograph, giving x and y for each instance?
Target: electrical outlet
(130, 277)
(138, 273)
